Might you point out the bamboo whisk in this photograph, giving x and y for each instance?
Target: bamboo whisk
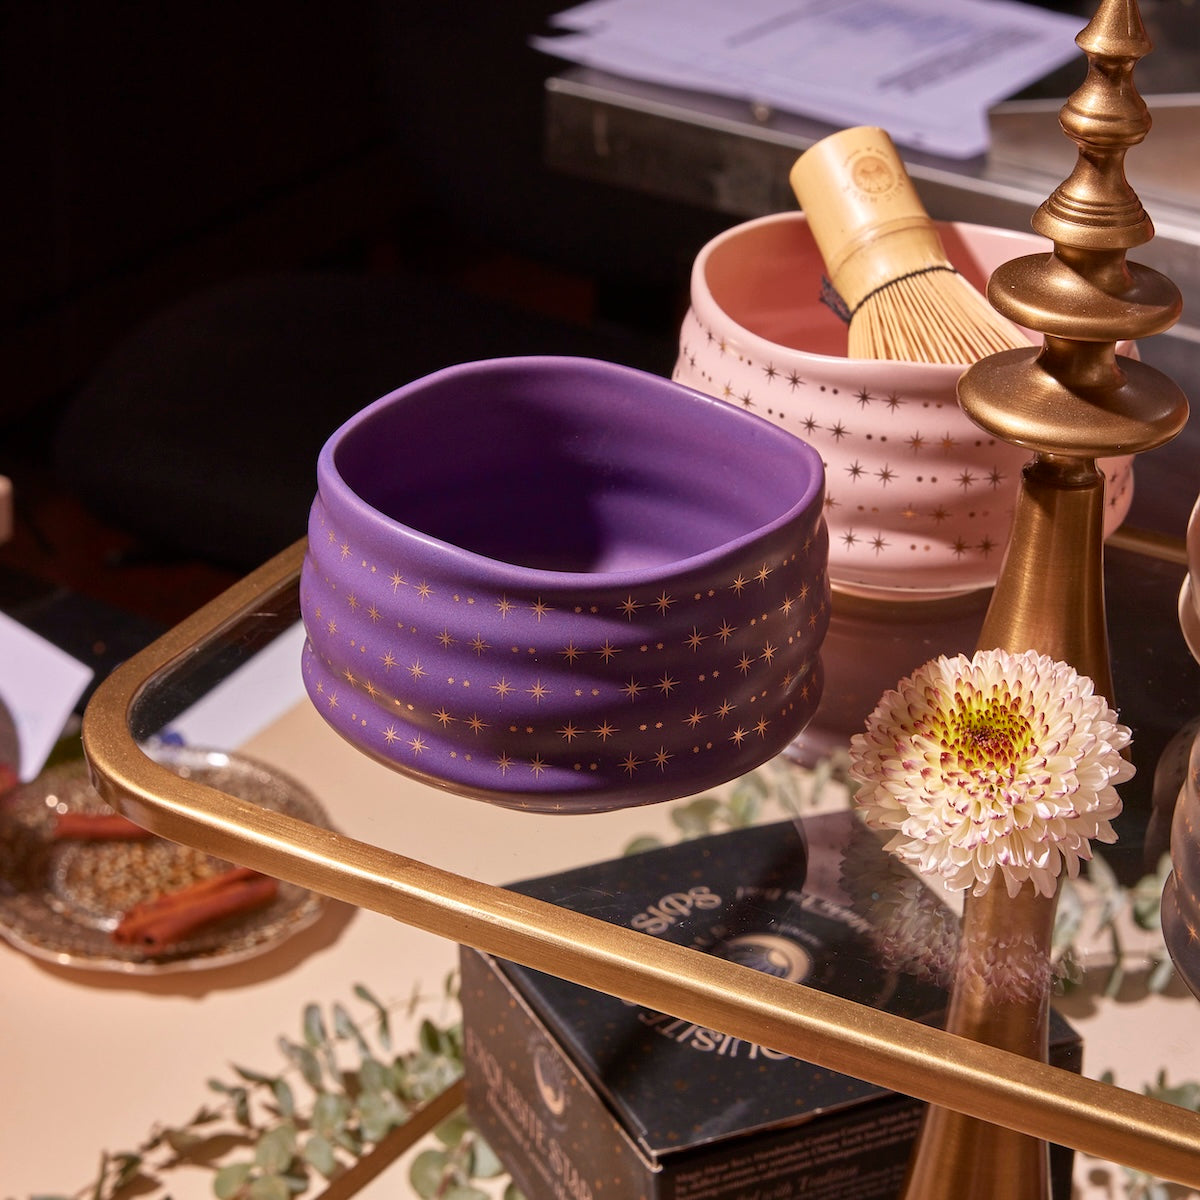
(886, 260)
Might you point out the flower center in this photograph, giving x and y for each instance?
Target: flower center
(987, 732)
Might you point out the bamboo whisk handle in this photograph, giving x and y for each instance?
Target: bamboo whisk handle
(864, 213)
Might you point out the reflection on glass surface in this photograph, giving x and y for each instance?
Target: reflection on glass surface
(212, 662)
(911, 930)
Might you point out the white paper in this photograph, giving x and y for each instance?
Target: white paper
(925, 70)
(249, 700)
(39, 687)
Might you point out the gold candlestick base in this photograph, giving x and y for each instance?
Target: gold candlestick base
(1001, 997)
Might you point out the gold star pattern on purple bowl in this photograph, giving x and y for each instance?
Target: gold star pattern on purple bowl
(577, 698)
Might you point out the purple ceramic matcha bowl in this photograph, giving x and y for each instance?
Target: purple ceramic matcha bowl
(562, 585)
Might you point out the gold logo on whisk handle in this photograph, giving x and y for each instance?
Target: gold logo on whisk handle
(872, 175)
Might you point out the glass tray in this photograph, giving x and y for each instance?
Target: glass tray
(1157, 682)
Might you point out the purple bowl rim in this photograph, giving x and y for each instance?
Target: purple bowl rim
(513, 574)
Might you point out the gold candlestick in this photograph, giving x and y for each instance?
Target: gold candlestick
(1075, 400)
(1071, 401)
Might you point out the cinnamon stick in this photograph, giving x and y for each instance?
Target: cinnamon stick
(174, 924)
(96, 827)
(155, 924)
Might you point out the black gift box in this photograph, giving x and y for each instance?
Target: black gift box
(584, 1096)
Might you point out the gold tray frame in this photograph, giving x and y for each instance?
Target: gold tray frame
(1099, 1119)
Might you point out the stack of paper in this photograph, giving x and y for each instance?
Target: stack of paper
(39, 686)
(925, 70)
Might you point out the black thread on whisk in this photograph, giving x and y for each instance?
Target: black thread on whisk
(832, 299)
(899, 279)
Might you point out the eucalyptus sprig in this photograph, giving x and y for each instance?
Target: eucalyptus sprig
(777, 784)
(448, 1171)
(340, 1090)
(1079, 916)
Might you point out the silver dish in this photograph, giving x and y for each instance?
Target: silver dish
(61, 899)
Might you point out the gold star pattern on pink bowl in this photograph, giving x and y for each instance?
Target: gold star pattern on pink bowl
(917, 497)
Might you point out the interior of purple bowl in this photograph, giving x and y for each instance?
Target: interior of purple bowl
(569, 465)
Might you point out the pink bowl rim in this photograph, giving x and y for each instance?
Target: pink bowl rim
(941, 375)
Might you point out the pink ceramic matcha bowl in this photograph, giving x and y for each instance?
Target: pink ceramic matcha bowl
(919, 499)
(1181, 896)
(1189, 593)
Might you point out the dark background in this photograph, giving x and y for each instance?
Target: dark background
(227, 227)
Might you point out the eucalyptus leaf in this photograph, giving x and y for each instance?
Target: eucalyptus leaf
(318, 1151)
(254, 1076)
(512, 1192)
(1146, 897)
(1069, 969)
(365, 994)
(305, 1061)
(1068, 919)
(428, 1075)
(453, 1129)
(640, 845)
(344, 1027)
(400, 1079)
(747, 799)
(330, 1114)
(1160, 975)
(1108, 888)
(1186, 1095)
(241, 1106)
(285, 1099)
(427, 1171)
(463, 1191)
(314, 1026)
(383, 1024)
(229, 1179)
(276, 1148)
(349, 1140)
(787, 790)
(695, 819)
(269, 1187)
(374, 1076)
(379, 1112)
(297, 1182)
(484, 1163)
(429, 1037)
(744, 809)
(383, 1032)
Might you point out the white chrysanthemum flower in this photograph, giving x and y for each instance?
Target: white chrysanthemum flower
(997, 763)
